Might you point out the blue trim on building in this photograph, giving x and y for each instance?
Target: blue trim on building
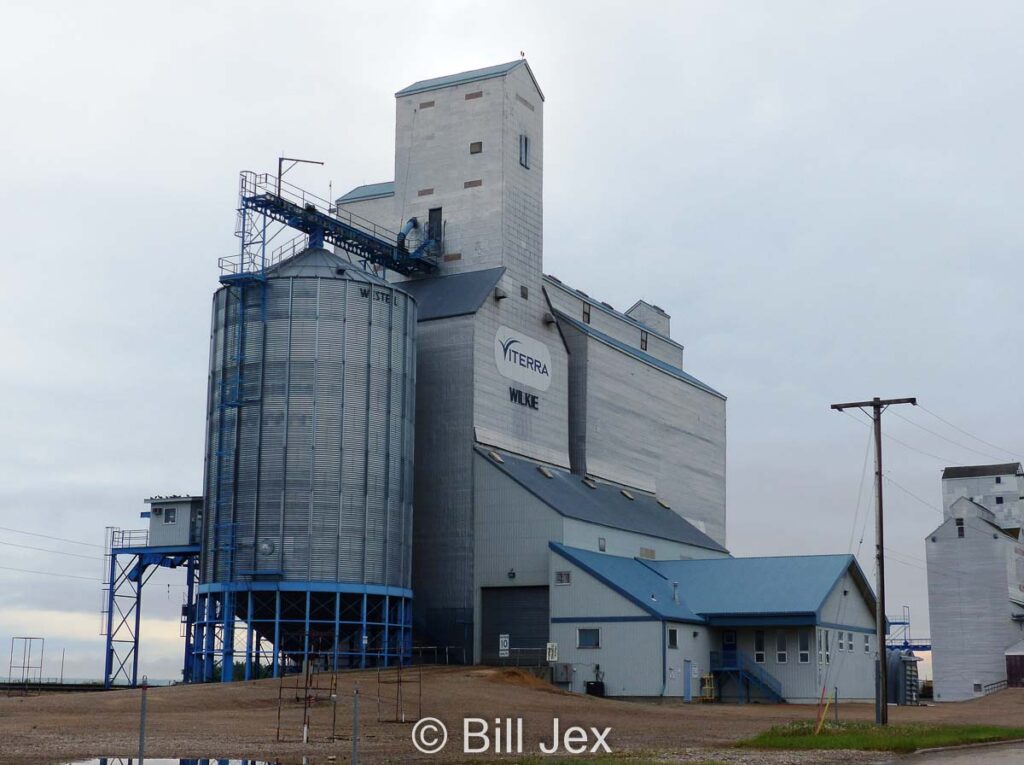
(765, 620)
(638, 354)
(602, 619)
(342, 587)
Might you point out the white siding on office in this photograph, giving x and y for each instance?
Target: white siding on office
(630, 652)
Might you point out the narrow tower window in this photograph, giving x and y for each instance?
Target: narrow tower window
(524, 151)
(476, 147)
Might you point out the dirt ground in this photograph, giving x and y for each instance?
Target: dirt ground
(240, 720)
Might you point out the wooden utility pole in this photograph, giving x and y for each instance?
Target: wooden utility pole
(877, 406)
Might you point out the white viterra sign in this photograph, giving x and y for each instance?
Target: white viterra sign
(522, 359)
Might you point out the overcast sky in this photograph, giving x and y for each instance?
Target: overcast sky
(825, 196)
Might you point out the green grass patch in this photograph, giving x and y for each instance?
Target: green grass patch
(891, 738)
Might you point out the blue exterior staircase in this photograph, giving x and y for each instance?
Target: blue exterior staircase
(746, 672)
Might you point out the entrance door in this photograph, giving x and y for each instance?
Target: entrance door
(1015, 671)
(687, 682)
(434, 225)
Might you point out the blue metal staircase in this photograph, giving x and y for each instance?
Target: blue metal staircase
(746, 672)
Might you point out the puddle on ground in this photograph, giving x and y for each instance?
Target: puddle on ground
(174, 761)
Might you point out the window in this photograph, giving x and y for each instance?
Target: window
(828, 647)
(586, 313)
(588, 637)
(563, 577)
(821, 653)
(999, 500)
(524, 151)
(999, 479)
(759, 646)
(476, 147)
(673, 637)
(849, 642)
(601, 544)
(643, 340)
(867, 644)
(170, 515)
(781, 647)
(960, 531)
(805, 647)
(524, 292)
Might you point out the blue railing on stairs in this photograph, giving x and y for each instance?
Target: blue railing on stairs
(732, 660)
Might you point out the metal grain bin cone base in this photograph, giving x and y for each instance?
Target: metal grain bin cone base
(306, 550)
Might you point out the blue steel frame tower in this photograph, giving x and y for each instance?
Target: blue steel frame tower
(289, 434)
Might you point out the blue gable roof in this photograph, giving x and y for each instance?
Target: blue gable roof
(716, 588)
(796, 584)
(644, 586)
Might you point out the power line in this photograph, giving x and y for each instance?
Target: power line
(51, 573)
(944, 438)
(47, 536)
(56, 552)
(971, 435)
(907, 491)
(943, 460)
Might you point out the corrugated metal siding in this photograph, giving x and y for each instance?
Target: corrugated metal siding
(648, 429)
(443, 533)
(309, 478)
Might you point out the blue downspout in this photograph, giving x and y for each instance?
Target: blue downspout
(408, 227)
(664, 657)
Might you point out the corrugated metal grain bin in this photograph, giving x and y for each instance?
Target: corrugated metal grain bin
(309, 452)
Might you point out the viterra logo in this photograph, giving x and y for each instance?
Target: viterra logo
(522, 359)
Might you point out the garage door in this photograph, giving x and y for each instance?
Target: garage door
(522, 614)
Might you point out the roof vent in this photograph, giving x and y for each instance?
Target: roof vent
(545, 472)
(496, 457)
(499, 293)
(590, 482)
(675, 593)
(664, 504)
(626, 494)
(549, 318)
